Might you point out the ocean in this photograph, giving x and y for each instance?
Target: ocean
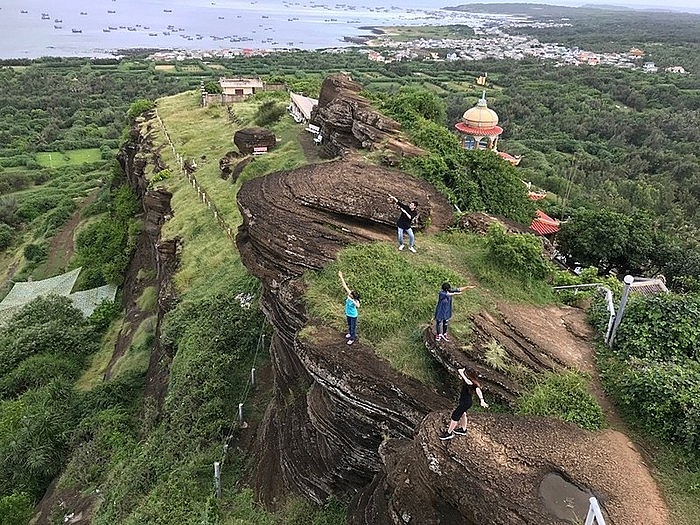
(97, 28)
(35, 28)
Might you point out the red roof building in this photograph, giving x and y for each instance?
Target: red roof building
(543, 224)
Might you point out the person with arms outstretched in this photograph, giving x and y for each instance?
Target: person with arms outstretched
(352, 303)
(458, 420)
(443, 309)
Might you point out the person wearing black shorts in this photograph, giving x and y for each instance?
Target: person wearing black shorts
(458, 420)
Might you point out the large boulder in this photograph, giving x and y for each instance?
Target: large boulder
(248, 139)
(508, 470)
(348, 121)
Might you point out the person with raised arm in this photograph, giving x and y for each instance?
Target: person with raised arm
(458, 420)
(405, 221)
(352, 303)
(443, 309)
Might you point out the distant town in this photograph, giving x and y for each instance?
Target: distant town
(491, 40)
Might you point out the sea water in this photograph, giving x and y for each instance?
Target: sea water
(35, 28)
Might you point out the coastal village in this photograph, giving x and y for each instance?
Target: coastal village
(491, 40)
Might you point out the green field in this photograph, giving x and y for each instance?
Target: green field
(55, 159)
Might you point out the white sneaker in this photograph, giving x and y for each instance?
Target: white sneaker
(401, 247)
(438, 337)
(350, 341)
(347, 336)
(411, 249)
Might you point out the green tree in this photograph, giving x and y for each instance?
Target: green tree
(607, 239)
(139, 107)
(16, 509)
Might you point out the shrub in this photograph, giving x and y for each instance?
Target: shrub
(37, 371)
(662, 327)
(36, 252)
(16, 509)
(663, 397)
(102, 316)
(6, 236)
(47, 325)
(520, 254)
(34, 435)
(269, 112)
(139, 107)
(565, 397)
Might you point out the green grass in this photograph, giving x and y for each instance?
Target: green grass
(55, 159)
(99, 361)
(399, 291)
(148, 299)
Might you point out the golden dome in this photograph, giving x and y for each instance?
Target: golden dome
(480, 116)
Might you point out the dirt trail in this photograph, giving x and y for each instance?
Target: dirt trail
(62, 246)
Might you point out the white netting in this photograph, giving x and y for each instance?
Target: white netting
(87, 300)
(23, 293)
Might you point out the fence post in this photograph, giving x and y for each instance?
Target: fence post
(252, 376)
(594, 513)
(240, 411)
(621, 308)
(217, 478)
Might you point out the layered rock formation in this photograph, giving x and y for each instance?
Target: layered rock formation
(509, 470)
(333, 406)
(342, 422)
(248, 139)
(347, 121)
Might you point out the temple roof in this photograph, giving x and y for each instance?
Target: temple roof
(493, 131)
(480, 116)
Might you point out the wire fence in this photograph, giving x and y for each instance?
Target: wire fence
(239, 422)
(187, 171)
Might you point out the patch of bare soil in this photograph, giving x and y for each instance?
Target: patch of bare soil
(308, 146)
(62, 246)
(563, 333)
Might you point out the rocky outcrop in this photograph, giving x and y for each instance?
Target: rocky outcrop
(247, 139)
(342, 422)
(494, 476)
(333, 405)
(227, 164)
(347, 121)
(151, 253)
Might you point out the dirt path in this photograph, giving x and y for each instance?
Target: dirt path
(62, 244)
(564, 333)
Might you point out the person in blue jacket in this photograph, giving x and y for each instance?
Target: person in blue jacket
(443, 309)
(352, 303)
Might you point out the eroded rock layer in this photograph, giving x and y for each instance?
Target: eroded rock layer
(347, 120)
(496, 475)
(333, 405)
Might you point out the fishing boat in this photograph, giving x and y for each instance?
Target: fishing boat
(105, 30)
(45, 16)
(76, 30)
(57, 27)
(110, 12)
(58, 21)
(167, 10)
(24, 11)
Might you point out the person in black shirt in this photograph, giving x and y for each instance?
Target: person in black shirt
(408, 213)
(458, 420)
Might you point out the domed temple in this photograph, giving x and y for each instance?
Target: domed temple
(479, 129)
